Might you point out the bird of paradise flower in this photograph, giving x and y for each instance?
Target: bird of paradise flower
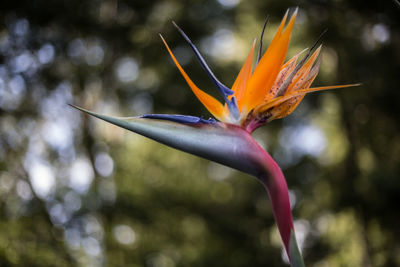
(272, 91)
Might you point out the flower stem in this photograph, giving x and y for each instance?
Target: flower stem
(274, 181)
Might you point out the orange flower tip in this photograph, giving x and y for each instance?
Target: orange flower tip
(286, 14)
(351, 85)
(356, 84)
(294, 15)
(323, 88)
(296, 10)
(304, 50)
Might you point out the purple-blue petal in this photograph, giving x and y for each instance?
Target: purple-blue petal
(233, 107)
(224, 90)
(179, 118)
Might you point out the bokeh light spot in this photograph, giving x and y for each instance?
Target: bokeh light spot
(81, 175)
(46, 54)
(42, 178)
(127, 69)
(124, 234)
(104, 164)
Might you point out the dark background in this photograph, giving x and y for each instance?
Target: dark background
(75, 191)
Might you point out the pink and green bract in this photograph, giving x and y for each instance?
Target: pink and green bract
(271, 91)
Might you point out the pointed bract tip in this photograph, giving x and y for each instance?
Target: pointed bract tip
(82, 109)
(73, 106)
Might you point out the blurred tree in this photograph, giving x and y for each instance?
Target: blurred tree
(78, 192)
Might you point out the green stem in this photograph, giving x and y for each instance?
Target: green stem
(296, 260)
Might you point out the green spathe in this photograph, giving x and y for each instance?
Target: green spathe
(226, 144)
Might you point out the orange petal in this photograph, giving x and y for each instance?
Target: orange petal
(240, 83)
(311, 75)
(269, 66)
(287, 107)
(285, 71)
(309, 79)
(280, 99)
(212, 105)
(293, 59)
(302, 75)
(322, 88)
(290, 105)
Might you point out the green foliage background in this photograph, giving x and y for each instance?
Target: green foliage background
(78, 192)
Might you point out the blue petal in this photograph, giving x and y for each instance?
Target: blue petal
(225, 91)
(179, 118)
(233, 107)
